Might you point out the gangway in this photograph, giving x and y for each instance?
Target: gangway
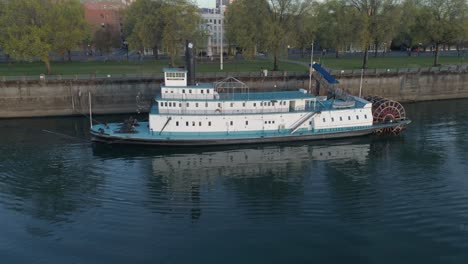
(329, 82)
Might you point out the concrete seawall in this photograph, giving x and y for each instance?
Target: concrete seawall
(31, 98)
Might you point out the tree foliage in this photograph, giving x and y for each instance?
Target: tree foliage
(269, 24)
(34, 28)
(162, 23)
(442, 22)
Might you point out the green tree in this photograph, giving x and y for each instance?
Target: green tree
(32, 29)
(181, 22)
(377, 22)
(339, 25)
(26, 30)
(245, 23)
(442, 22)
(69, 26)
(143, 25)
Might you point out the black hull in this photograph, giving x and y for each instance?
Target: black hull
(102, 138)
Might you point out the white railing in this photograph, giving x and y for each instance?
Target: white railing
(221, 111)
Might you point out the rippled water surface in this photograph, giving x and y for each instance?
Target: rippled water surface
(365, 200)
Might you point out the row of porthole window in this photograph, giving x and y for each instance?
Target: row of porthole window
(341, 118)
(202, 91)
(187, 123)
(174, 104)
(270, 122)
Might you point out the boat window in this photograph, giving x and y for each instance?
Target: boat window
(196, 104)
(269, 122)
(186, 123)
(310, 122)
(232, 104)
(208, 91)
(165, 104)
(209, 123)
(324, 120)
(255, 104)
(177, 123)
(365, 116)
(261, 103)
(273, 121)
(246, 123)
(188, 104)
(219, 104)
(232, 123)
(202, 91)
(333, 119)
(199, 123)
(183, 90)
(269, 103)
(243, 104)
(357, 117)
(349, 117)
(193, 123)
(170, 104)
(266, 122)
(180, 104)
(341, 118)
(165, 91)
(206, 104)
(190, 91)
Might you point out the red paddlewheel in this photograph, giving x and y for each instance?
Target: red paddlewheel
(387, 111)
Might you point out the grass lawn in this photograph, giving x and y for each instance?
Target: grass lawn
(347, 63)
(124, 67)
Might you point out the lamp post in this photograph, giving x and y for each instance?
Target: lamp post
(221, 66)
(311, 67)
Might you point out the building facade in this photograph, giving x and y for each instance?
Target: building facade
(213, 25)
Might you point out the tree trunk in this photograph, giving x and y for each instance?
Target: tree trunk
(366, 57)
(47, 64)
(436, 55)
(376, 45)
(155, 52)
(69, 55)
(275, 62)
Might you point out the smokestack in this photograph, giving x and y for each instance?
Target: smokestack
(189, 62)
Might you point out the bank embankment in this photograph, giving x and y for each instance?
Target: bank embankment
(34, 98)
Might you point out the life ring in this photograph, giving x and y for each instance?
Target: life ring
(218, 110)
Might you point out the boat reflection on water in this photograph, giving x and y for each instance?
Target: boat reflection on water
(257, 172)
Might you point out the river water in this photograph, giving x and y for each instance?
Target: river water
(373, 199)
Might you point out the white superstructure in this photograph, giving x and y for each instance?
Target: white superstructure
(203, 109)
